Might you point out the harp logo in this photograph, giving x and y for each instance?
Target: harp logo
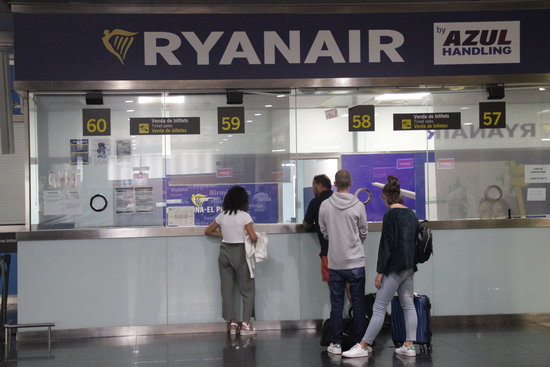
(118, 42)
(199, 199)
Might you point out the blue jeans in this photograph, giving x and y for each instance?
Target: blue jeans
(336, 282)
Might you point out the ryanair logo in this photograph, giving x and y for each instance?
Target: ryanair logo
(199, 199)
(118, 42)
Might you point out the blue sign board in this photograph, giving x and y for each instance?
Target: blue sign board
(207, 200)
(370, 171)
(279, 46)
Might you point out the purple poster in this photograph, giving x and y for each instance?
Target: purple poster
(370, 171)
(206, 201)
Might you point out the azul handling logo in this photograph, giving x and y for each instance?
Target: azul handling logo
(476, 43)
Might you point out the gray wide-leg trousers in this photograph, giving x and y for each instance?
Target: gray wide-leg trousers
(233, 267)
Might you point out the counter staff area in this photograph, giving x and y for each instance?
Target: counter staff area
(129, 157)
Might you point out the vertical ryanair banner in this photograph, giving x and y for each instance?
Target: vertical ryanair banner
(74, 47)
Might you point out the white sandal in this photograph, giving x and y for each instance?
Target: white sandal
(247, 329)
(233, 327)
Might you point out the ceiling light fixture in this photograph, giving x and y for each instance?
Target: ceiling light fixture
(401, 96)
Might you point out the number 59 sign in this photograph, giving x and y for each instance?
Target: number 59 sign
(361, 118)
(230, 120)
(96, 121)
(492, 115)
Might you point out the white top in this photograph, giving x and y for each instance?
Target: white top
(233, 226)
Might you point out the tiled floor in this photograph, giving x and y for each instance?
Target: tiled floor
(502, 346)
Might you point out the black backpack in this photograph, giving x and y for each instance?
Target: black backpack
(423, 244)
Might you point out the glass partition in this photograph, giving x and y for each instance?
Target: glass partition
(494, 172)
(164, 159)
(167, 158)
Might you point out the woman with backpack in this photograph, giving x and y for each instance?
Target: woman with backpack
(395, 268)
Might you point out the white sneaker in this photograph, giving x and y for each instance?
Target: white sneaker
(356, 351)
(404, 351)
(334, 349)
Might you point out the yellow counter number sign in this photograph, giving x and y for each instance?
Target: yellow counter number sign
(491, 118)
(361, 118)
(492, 115)
(230, 120)
(230, 124)
(361, 121)
(96, 126)
(96, 121)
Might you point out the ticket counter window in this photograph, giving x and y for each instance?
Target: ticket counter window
(166, 159)
(462, 152)
(157, 159)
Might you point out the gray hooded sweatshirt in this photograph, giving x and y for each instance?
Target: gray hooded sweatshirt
(343, 222)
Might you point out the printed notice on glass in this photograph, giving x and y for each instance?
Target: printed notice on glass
(53, 202)
(144, 199)
(79, 151)
(125, 200)
(180, 216)
(536, 194)
(73, 204)
(539, 173)
(100, 151)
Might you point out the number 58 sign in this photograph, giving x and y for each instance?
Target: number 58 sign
(96, 121)
(361, 118)
(492, 115)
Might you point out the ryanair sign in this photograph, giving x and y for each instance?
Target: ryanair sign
(278, 46)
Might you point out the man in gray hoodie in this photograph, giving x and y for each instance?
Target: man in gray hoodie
(343, 221)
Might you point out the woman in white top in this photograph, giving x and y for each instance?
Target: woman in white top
(232, 225)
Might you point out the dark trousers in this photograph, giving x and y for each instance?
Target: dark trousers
(336, 282)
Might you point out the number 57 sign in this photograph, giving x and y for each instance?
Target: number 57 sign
(492, 115)
(96, 121)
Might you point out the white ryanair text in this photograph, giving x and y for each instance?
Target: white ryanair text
(163, 45)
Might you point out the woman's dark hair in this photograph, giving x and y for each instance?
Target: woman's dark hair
(392, 191)
(235, 199)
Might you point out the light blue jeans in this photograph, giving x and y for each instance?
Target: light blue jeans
(401, 283)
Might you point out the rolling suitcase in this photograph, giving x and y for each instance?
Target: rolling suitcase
(424, 329)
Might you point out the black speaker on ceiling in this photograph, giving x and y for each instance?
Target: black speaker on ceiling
(234, 97)
(495, 91)
(94, 98)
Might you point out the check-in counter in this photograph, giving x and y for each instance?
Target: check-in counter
(166, 279)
